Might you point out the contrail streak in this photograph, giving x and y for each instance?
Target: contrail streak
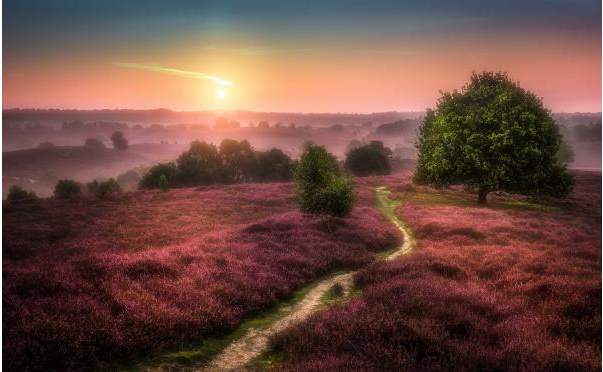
(174, 71)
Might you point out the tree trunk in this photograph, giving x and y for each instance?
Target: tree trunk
(481, 195)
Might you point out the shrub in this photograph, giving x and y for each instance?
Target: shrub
(104, 190)
(119, 141)
(320, 188)
(66, 189)
(164, 184)
(151, 179)
(17, 194)
(371, 159)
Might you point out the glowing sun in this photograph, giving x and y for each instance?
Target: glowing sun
(221, 94)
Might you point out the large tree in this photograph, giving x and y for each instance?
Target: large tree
(492, 135)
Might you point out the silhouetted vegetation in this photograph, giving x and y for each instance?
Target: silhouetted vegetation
(590, 132)
(104, 190)
(19, 194)
(367, 160)
(232, 162)
(321, 190)
(493, 135)
(164, 184)
(119, 141)
(65, 189)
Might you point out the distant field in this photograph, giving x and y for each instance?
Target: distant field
(514, 286)
(89, 283)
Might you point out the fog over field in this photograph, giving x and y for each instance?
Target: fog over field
(42, 146)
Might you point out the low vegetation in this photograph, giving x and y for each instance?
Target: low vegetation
(89, 286)
(65, 189)
(496, 289)
(19, 194)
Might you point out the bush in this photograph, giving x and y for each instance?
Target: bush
(151, 179)
(17, 194)
(320, 188)
(371, 159)
(164, 184)
(104, 190)
(119, 141)
(66, 189)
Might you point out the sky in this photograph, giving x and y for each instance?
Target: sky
(286, 56)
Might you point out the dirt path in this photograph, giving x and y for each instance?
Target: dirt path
(240, 352)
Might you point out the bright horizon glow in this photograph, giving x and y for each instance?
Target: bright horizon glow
(334, 56)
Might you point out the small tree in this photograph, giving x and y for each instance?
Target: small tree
(18, 194)
(66, 189)
(493, 135)
(321, 189)
(164, 183)
(119, 141)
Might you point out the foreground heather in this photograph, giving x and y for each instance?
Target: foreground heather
(511, 287)
(86, 285)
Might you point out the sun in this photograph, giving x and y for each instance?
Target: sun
(221, 94)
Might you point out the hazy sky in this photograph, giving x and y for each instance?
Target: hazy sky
(319, 56)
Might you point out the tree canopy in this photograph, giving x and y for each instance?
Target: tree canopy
(492, 135)
(321, 190)
(367, 160)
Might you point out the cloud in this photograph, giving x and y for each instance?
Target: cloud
(173, 71)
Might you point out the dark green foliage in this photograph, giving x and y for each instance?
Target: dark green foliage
(151, 179)
(66, 189)
(321, 189)
(273, 165)
(200, 165)
(119, 141)
(565, 154)
(590, 132)
(367, 160)
(164, 183)
(233, 162)
(493, 135)
(237, 161)
(104, 190)
(18, 194)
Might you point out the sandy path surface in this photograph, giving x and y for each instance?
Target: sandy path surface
(239, 353)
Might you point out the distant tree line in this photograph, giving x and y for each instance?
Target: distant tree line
(230, 162)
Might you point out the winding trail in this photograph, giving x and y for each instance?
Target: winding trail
(241, 351)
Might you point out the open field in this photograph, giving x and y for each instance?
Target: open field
(513, 286)
(90, 283)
